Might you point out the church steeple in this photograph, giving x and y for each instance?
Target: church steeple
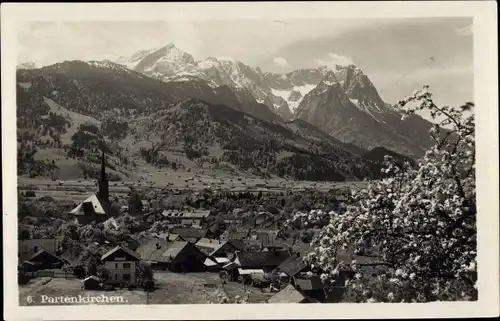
(103, 192)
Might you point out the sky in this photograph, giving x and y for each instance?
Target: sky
(398, 55)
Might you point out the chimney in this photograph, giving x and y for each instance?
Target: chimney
(158, 246)
(35, 249)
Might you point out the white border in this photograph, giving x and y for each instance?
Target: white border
(486, 100)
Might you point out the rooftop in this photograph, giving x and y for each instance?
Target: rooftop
(288, 295)
(293, 265)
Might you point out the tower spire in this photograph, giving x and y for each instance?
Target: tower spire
(103, 192)
(103, 167)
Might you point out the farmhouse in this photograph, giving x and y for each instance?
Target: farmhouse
(39, 254)
(121, 263)
(312, 287)
(186, 218)
(293, 265)
(237, 235)
(257, 262)
(26, 248)
(166, 236)
(190, 234)
(226, 248)
(43, 259)
(151, 251)
(184, 257)
(97, 206)
(207, 246)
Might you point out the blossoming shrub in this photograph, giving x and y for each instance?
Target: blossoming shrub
(222, 298)
(418, 223)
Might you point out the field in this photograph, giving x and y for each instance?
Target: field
(172, 288)
(77, 190)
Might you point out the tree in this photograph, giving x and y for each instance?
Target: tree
(419, 222)
(91, 268)
(144, 272)
(134, 202)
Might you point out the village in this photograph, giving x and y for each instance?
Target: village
(182, 254)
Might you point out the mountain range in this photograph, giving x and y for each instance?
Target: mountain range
(161, 107)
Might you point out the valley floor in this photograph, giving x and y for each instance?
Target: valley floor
(77, 190)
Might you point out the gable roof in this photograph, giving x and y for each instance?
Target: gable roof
(148, 249)
(189, 232)
(238, 244)
(231, 243)
(26, 248)
(174, 249)
(238, 235)
(292, 265)
(208, 246)
(94, 202)
(48, 244)
(288, 295)
(261, 259)
(196, 214)
(92, 277)
(308, 284)
(41, 251)
(110, 223)
(124, 249)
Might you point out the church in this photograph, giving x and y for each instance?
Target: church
(96, 208)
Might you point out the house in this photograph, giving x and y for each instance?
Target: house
(199, 201)
(213, 265)
(257, 262)
(121, 263)
(91, 209)
(275, 247)
(27, 248)
(288, 295)
(174, 237)
(110, 224)
(91, 283)
(232, 220)
(226, 248)
(96, 208)
(186, 218)
(146, 206)
(184, 257)
(312, 287)
(207, 246)
(237, 235)
(43, 259)
(151, 251)
(166, 236)
(190, 234)
(293, 266)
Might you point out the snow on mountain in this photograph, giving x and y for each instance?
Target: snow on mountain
(26, 65)
(281, 93)
(132, 61)
(293, 96)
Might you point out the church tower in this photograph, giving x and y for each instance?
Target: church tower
(103, 192)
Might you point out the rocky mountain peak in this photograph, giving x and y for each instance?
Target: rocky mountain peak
(26, 65)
